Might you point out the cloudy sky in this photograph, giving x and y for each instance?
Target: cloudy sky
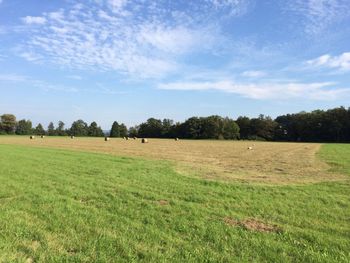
(128, 60)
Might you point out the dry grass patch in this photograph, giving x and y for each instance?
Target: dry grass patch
(276, 163)
(252, 225)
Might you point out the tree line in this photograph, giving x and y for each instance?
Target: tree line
(317, 126)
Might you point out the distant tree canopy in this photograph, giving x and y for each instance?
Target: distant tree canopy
(24, 127)
(94, 130)
(79, 128)
(317, 126)
(118, 130)
(60, 131)
(8, 123)
(115, 130)
(39, 130)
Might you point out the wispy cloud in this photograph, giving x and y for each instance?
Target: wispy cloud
(43, 85)
(341, 62)
(318, 15)
(281, 91)
(254, 74)
(12, 78)
(34, 20)
(112, 35)
(75, 77)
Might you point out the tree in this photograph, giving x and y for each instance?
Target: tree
(24, 127)
(167, 128)
(192, 128)
(51, 129)
(244, 127)
(115, 130)
(94, 130)
(263, 127)
(60, 131)
(152, 128)
(123, 130)
(230, 129)
(8, 123)
(211, 127)
(79, 128)
(39, 130)
(133, 131)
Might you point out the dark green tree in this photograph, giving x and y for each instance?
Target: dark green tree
(94, 130)
(60, 131)
(123, 130)
(39, 130)
(133, 131)
(115, 130)
(51, 129)
(24, 127)
(230, 129)
(244, 127)
(79, 128)
(152, 128)
(8, 123)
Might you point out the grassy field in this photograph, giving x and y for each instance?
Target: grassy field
(73, 206)
(272, 163)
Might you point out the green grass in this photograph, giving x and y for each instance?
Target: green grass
(62, 206)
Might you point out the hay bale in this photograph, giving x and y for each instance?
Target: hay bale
(72, 137)
(42, 136)
(106, 139)
(250, 148)
(144, 140)
(32, 137)
(176, 139)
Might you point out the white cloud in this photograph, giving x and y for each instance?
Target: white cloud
(254, 74)
(141, 40)
(12, 78)
(314, 91)
(34, 20)
(341, 62)
(30, 56)
(235, 7)
(75, 77)
(319, 14)
(117, 5)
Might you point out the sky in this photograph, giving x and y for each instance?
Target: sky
(128, 60)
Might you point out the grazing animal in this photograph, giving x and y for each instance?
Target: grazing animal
(32, 137)
(42, 136)
(72, 137)
(127, 138)
(135, 138)
(250, 148)
(106, 139)
(176, 139)
(144, 140)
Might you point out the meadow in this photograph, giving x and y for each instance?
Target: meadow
(86, 200)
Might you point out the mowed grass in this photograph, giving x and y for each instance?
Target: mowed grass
(271, 163)
(65, 206)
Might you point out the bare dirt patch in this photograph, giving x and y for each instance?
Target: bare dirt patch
(252, 225)
(162, 202)
(270, 162)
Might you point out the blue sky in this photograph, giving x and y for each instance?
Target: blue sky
(128, 60)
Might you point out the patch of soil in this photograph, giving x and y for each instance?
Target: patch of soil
(162, 202)
(252, 225)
